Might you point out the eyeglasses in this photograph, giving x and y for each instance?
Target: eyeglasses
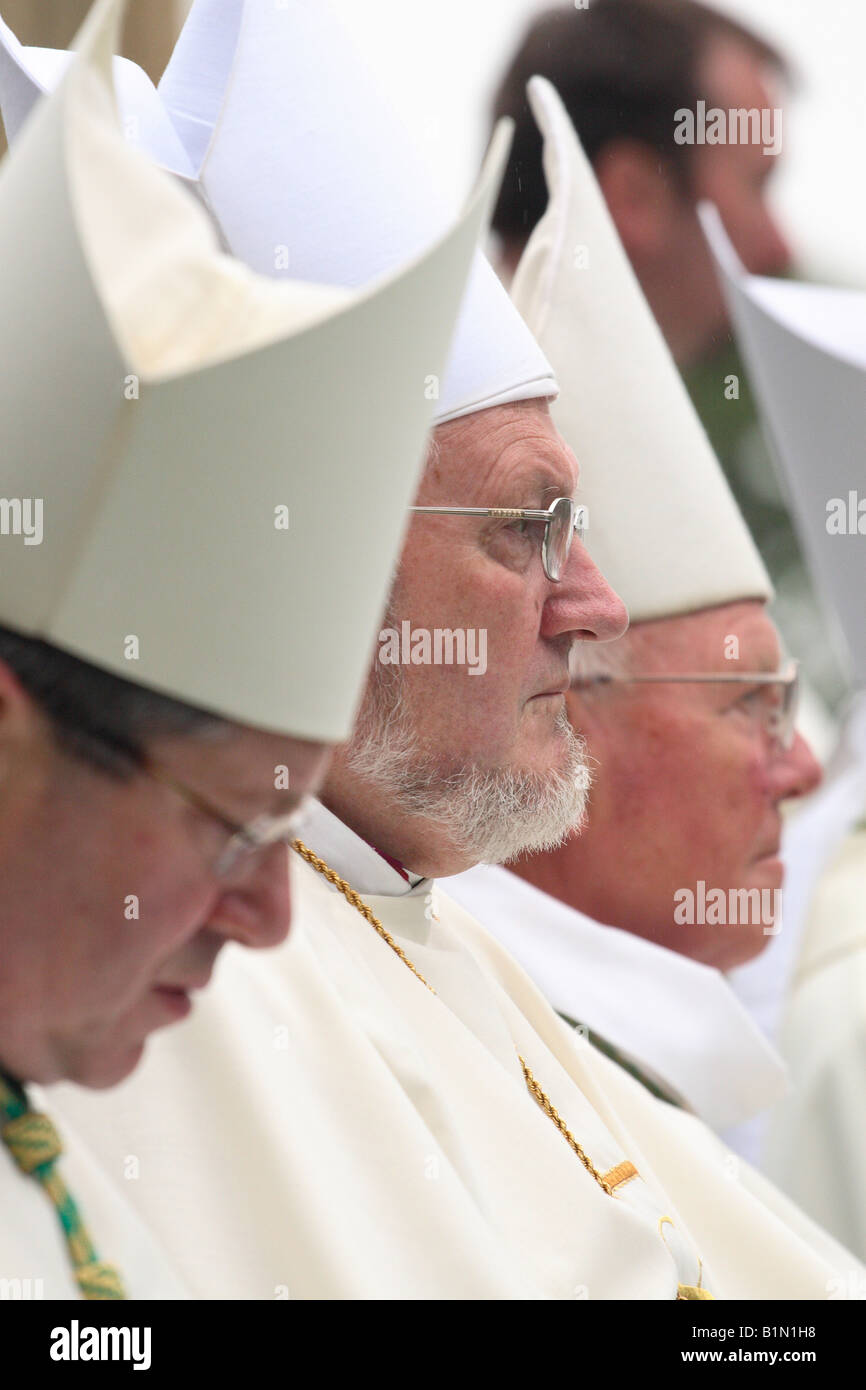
(244, 841)
(778, 714)
(563, 520)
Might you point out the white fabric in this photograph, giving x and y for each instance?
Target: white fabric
(324, 1126)
(366, 868)
(32, 1248)
(817, 1139)
(676, 1019)
(164, 402)
(663, 525)
(26, 74)
(805, 347)
(308, 171)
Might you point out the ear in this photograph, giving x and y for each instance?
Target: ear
(644, 200)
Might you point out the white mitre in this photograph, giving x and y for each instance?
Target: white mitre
(805, 348)
(666, 532)
(663, 525)
(224, 463)
(271, 115)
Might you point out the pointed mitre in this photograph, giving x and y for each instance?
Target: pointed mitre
(663, 525)
(270, 114)
(805, 348)
(223, 462)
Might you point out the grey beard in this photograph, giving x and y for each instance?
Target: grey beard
(490, 815)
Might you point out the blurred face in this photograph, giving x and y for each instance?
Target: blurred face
(111, 914)
(736, 176)
(688, 787)
(656, 215)
(485, 574)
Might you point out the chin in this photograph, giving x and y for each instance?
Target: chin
(546, 746)
(766, 874)
(107, 1067)
(747, 946)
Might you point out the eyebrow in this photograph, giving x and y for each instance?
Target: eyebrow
(762, 666)
(538, 486)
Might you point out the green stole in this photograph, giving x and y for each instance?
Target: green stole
(35, 1146)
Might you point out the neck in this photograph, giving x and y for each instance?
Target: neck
(421, 845)
(686, 339)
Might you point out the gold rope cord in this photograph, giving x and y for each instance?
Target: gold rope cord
(534, 1089)
(609, 1181)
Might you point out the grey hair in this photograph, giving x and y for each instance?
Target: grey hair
(97, 717)
(434, 449)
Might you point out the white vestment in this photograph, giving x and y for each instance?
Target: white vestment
(676, 1020)
(34, 1261)
(816, 1147)
(323, 1126)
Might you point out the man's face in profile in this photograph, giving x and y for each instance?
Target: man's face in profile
(736, 176)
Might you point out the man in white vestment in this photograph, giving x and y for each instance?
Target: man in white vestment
(817, 1137)
(148, 788)
(805, 346)
(388, 1108)
(675, 877)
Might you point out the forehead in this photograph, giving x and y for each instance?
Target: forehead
(733, 637)
(735, 75)
(506, 456)
(237, 768)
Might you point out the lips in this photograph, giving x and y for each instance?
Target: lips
(770, 851)
(187, 987)
(559, 689)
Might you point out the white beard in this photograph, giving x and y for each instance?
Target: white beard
(491, 815)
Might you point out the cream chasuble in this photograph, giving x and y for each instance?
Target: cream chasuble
(677, 1021)
(816, 1147)
(325, 1127)
(34, 1260)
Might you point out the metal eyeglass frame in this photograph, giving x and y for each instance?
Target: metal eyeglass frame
(246, 840)
(573, 516)
(783, 729)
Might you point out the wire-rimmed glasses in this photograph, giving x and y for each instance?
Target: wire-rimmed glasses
(778, 715)
(563, 520)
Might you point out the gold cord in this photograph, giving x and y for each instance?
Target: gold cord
(357, 902)
(536, 1092)
(624, 1172)
(607, 1181)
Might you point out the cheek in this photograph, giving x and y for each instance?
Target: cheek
(726, 798)
(493, 655)
(143, 911)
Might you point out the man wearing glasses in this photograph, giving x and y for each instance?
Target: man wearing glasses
(689, 721)
(149, 786)
(408, 1118)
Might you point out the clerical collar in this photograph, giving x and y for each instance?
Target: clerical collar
(367, 869)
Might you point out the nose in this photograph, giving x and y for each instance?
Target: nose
(257, 912)
(797, 771)
(582, 603)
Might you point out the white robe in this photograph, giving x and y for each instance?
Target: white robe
(677, 1020)
(325, 1127)
(34, 1262)
(816, 1147)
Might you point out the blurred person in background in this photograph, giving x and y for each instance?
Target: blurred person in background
(625, 69)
